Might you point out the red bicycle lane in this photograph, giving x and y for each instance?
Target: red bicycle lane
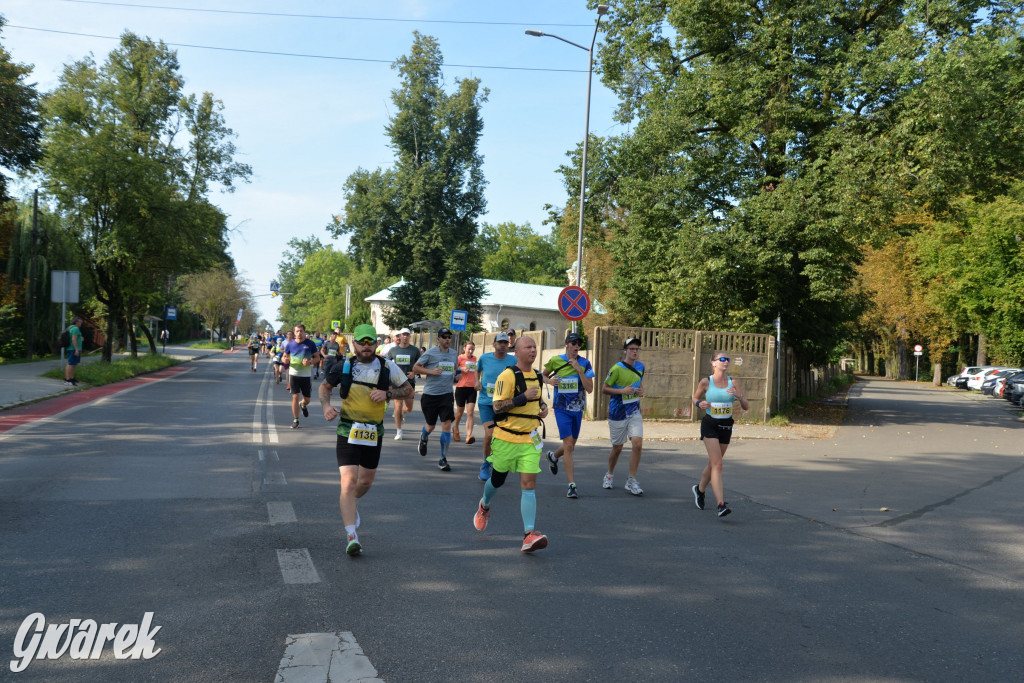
(23, 415)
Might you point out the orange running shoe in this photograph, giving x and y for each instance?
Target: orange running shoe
(480, 518)
(455, 435)
(534, 540)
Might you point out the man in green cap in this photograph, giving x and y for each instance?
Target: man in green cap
(367, 382)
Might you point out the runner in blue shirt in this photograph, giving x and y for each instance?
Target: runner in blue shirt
(488, 367)
(572, 375)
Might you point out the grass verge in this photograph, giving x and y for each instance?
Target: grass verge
(100, 373)
(223, 345)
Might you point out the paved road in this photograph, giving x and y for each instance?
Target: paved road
(890, 552)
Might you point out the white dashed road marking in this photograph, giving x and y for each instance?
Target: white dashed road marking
(326, 658)
(274, 478)
(297, 566)
(280, 512)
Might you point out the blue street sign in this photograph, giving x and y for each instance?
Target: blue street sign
(275, 286)
(171, 313)
(459, 320)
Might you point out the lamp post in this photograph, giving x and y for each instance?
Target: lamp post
(601, 11)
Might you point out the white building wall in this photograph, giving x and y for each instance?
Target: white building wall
(550, 322)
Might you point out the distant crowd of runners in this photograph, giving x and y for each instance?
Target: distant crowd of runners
(508, 391)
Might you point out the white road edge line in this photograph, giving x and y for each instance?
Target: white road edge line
(257, 431)
(297, 566)
(334, 657)
(271, 427)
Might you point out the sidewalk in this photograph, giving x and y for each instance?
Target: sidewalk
(22, 383)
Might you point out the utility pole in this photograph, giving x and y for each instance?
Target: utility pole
(30, 331)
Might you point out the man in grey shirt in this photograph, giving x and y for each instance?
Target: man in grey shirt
(438, 400)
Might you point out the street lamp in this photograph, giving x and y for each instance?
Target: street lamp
(601, 11)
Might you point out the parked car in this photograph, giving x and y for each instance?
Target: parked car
(1005, 386)
(975, 381)
(952, 379)
(993, 386)
(1016, 389)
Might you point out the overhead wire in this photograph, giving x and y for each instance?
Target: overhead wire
(299, 54)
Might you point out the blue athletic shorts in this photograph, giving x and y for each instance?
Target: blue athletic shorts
(486, 413)
(568, 423)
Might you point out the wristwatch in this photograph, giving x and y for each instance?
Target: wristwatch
(387, 394)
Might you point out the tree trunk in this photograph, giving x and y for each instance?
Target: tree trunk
(937, 374)
(133, 341)
(982, 350)
(902, 370)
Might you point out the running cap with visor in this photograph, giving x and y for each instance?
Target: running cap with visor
(631, 340)
(364, 331)
(501, 336)
(573, 337)
(405, 330)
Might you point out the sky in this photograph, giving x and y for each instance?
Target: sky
(310, 115)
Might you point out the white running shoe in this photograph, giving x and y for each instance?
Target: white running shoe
(608, 481)
(633, 487)
(398, 435)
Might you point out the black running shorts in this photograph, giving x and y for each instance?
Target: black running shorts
(437, 407)
(367, 457)
(710, 428)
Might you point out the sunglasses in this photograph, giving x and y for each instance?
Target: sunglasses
(573, 342)
(444, 336)
(365, 342)
(724, 359)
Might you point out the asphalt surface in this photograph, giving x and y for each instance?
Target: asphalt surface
(889, 552)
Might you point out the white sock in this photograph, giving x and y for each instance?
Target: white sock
(351, 531)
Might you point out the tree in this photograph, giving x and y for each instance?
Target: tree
(418, 219)
(216, 296)
(317, 277)
(771, 140)
(19, 118)
(517, 254)
(131, 192)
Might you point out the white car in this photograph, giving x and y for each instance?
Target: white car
(976, 380)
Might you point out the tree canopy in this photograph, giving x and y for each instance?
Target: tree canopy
(772, 141)
(131, 160)
(418, 219)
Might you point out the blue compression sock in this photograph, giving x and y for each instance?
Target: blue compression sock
(446, 438)
(425, 434)
(528, 507)
(489, 492)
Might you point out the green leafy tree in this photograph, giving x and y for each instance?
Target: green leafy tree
(771, 140)
(130, 191)
(517, 254)
(216, 295)
(19, 117)
(418, 218)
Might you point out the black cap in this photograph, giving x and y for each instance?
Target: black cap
(573, 336)
(631, 340)
(443, 331)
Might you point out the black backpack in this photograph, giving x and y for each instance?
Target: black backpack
(65, 339)
(383, 378)
(520, 388)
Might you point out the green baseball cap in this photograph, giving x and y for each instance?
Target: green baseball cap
(364, 332)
